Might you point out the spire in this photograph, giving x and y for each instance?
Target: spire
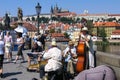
(51, 9)
(60, 10)
(56, 7)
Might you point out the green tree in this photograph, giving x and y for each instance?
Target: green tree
(77, 20)
(89, 24)
(111, 19)
(54, 18)
(45, 19)
(66, 35)
(66, 20)
(103, 34)
(52, 30)
(33, 18)
(98, 30)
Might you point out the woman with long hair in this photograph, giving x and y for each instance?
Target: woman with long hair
(20, 43)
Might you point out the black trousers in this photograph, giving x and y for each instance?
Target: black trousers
(57, 75)
(42, 71)
(1, 61)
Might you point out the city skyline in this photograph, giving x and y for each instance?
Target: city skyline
(77, 6)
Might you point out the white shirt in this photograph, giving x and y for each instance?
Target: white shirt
(94, 39)
(55, 57)
(89, 44)
(8, 40)
(19, 40)
(39, 43)
(73, 51)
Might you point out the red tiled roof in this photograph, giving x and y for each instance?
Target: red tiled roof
(106, 24)
(42, 26)
(116, 32)
(66, 14)
(66, 27)
(57, 35)
(27, 25)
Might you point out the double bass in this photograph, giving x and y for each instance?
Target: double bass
(80, 65)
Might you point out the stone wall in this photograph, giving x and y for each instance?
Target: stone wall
(111, 60)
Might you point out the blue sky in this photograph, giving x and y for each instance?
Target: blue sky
(77, 6)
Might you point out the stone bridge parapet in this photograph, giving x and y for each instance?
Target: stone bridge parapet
(111, 60)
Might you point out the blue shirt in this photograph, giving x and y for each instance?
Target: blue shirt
(1, 47)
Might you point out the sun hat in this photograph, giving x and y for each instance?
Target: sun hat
(84, 29)
(53, 43)
(71, 43)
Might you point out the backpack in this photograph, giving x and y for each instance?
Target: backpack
(101, 72)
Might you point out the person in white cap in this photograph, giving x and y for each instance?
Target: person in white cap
(1, 56)
(54, 57)
(85, 37)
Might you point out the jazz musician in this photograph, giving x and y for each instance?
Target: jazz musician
(70, 59)
(54, 63)
(84, 36)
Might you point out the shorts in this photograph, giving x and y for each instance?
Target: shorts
(8, 49)
(20, 53)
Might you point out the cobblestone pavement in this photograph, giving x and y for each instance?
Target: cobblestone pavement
(18, 71)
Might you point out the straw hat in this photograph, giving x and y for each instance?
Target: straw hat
(84, 29)
(71, 43)
(53, 43)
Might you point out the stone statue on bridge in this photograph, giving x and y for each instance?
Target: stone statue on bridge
(7, 21)
(20, 14)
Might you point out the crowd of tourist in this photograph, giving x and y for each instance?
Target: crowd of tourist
(57, 59)
(7, 46)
